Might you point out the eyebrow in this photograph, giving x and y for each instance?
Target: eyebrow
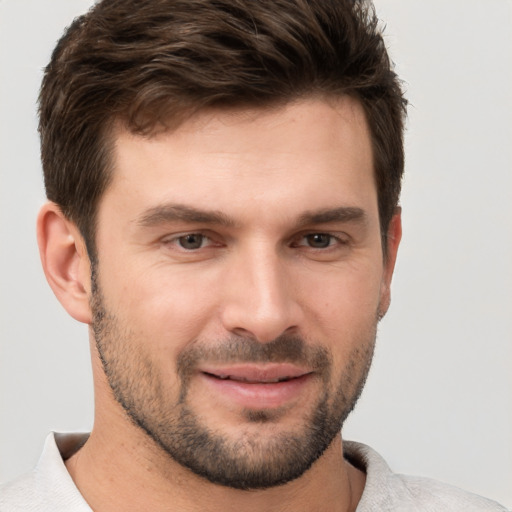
(177, 212)
(162, 214)
(328, 215)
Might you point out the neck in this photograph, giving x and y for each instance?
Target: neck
(121, 468)
(114, 473)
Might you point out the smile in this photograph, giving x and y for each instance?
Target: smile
(250, 381)
(257, 373)
(257, 387)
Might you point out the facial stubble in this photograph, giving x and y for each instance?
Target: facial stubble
(257, 458)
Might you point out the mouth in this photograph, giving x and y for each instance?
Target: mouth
(257, 386)
(257, 374)
(248, 380)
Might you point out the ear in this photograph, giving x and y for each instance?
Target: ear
(393, 237)
(65, 261)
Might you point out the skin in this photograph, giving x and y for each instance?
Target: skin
(258, 276)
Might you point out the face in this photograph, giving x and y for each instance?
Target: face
(239, 281)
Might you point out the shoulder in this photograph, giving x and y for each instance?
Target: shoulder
(20, 494)
(434, 495)
(48, 487)
(389, 491)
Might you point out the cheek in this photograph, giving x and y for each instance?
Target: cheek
(163, 308)
(343, 312)
(345, 293)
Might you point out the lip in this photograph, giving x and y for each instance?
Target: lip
(267, 373)
(257, 386)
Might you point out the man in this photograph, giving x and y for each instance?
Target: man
(223, 181)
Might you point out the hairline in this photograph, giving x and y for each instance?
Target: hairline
(113, 126)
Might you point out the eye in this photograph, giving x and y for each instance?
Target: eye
(320, 240)
(192, 241)
(322, 246)
(192, 246)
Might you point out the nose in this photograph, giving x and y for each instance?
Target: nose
(260, 297)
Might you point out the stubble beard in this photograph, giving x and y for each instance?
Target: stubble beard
(252, 460)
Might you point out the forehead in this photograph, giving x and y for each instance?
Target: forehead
(221, 158)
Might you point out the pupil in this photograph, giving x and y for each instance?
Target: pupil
(191, 241)
(319, 240)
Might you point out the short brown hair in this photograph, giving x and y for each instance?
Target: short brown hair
(151, 63)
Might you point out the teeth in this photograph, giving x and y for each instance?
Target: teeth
(243, 379)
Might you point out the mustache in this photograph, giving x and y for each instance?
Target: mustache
(239, 349)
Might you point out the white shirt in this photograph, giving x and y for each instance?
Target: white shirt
(50, 488)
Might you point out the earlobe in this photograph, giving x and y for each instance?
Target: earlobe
(65, 261)
(393, 237)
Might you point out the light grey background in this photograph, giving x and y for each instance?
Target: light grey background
(438, 401)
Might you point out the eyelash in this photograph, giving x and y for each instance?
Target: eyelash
(334, 240)
(176, 241)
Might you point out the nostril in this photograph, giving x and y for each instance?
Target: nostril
(264, 309)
